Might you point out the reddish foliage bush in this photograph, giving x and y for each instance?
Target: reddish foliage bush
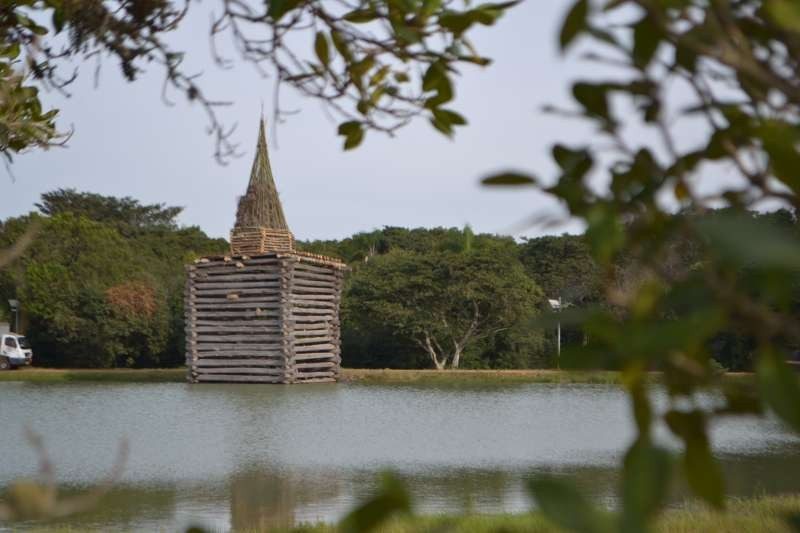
(135, 298)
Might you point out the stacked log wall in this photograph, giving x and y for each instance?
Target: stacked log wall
(234, 321)
(266, 319)
(315, 299)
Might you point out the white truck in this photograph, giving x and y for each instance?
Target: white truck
(15, 350)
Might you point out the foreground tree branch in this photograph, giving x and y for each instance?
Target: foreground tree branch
(374, 65)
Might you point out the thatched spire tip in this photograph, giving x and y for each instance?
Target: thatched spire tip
(260, 206)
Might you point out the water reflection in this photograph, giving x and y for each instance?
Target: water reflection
(261, 499)
(239, 457)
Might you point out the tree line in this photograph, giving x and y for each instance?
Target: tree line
(102, 286)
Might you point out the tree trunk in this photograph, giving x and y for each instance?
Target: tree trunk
(432, 352)
(458, 346)
(456, 357)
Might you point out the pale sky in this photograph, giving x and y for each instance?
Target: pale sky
(128, 143)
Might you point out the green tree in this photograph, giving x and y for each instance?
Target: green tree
(67, 279)
(102, 285)
(563, 267)
(443, 301)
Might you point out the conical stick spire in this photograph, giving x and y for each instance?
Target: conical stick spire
(260, 206)
(260, 224)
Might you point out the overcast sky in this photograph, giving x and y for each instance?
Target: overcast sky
(128, 143)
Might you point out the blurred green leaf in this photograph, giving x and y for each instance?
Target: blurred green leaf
(390, 499)
(456, 22)
(11, 51)
(477, 60)
(779, 387)
(58, 19)
(360, 16)
(512, 179)
(646, 38)
(486, 14)
(574, 23)
(347, 128)
(780, 140)
(572, 162)
(785, 13)
(353, 132)
(354, 140)
(451, 117)
(340, 43)
(429, 7)
(741, 397)
(702, 471)
(434, 76)
(278, 8)
(743, 240)
(645, 481)
(793, 521)
(379, 76)
(605, 233)
(593, 97)
(322, 49)
(359, 68)
(565, 506)
(444, 120)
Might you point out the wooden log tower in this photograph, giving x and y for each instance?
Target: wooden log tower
(266, 313)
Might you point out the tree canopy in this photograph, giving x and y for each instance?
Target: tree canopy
(102, 283)
(127, 215)
(444, 302)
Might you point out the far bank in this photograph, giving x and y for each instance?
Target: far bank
(348, 375)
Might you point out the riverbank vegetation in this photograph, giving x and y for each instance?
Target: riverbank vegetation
(102, 287)
(365, 376)
(110, 375)
(765, 514)
(757, 515)
(349, 375)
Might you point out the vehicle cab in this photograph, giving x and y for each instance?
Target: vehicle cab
(15, 351)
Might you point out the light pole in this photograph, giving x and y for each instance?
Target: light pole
(14, 305)
(556, 305)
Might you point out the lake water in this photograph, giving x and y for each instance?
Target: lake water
(241, 456)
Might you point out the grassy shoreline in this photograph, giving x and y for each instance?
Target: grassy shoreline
(755, 515)
(62, 375)
(764, 514)
(393, 376)
(349, 375)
